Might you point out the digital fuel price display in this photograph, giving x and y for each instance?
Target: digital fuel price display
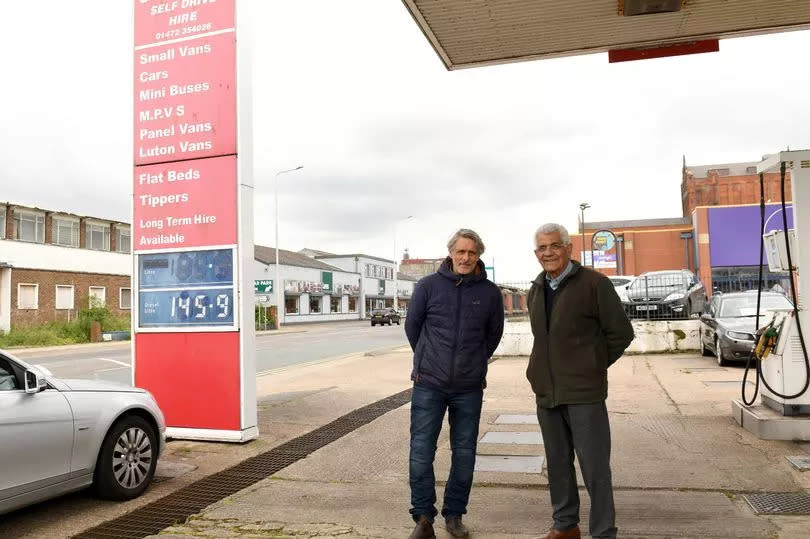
(192, 288)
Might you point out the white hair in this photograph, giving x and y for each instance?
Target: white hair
(470, 235)
(551, 228)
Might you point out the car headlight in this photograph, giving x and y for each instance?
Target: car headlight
(740, 336)
(674, 296)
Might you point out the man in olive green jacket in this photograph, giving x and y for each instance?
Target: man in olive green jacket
(580, 329)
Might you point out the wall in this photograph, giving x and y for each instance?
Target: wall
(645, 250)
(22, 254)
(47, 281)
(662, 336)
(718, 190)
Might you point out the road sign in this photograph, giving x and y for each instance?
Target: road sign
(265, 285)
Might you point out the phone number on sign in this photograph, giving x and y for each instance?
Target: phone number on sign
(180, 32)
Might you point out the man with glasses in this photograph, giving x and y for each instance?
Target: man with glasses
(580, 329)
(454, 323)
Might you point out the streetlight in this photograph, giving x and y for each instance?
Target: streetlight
(396, 265)
(582, 207)
(277, 284)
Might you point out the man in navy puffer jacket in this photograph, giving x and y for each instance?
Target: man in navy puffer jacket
(454, 323)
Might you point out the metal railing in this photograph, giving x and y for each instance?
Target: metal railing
(663, 296)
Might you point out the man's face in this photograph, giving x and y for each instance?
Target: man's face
(552, 253)
(464, 255)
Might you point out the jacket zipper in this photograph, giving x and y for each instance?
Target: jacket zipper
(458, 331)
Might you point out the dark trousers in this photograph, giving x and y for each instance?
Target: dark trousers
(584, 429)
(427, 415)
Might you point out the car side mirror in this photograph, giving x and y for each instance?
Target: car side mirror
(33, 382)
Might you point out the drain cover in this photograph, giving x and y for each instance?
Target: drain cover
(516, 419)
(779, 503)
(801, 463)
(505, 463)
(496, 437)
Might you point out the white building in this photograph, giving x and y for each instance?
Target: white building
(320, 286)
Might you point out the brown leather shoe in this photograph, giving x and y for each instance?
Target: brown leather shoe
(456, 528)
(571, 533)
(423, 529)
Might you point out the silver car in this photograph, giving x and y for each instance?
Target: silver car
(58, 436)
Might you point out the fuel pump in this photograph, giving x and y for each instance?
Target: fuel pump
(780, 355)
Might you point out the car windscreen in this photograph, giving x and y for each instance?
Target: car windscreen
(659, 280)
(619, 281)
(747, 305)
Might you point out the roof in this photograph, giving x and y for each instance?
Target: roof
(267, 255)
(725, 169)
(315, 252)
(469, 34)
(667, 221)
(61, 212)
(358, 255)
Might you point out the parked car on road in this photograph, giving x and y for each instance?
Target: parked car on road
(727, 328)
(58, 436)
(621, 282)
(385, 316)
(658, 295)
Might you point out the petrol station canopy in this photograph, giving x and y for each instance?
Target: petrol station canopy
(472, 33)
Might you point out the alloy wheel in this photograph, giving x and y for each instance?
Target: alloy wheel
(132, 457)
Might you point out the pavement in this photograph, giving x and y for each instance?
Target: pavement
(680, 463)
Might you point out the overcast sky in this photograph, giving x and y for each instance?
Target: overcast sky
(353, 91)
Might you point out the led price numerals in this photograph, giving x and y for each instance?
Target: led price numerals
(186, 307)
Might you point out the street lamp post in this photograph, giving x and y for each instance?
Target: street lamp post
(582, 207)
(277, 283)
(396, 264)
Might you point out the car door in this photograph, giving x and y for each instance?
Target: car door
(708, 322)
(697, 294)
(36, 434)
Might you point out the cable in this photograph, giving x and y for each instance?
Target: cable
(792, 294)
(751, 356)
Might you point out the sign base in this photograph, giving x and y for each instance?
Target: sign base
(212, 435)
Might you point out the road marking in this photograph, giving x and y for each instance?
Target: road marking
(110, 369)
(113, 361)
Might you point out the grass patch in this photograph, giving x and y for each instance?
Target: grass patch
(60, 333)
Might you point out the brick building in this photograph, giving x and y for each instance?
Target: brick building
(52, 263)
(717, 236)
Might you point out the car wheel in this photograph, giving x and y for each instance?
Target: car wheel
(127, 460)
(397, 322)
(719, 353)
(688, 310)
(372, 324)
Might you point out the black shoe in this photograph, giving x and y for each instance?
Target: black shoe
(454, 527)
(423, 529)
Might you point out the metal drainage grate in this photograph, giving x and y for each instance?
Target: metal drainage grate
(779, 503)
(178, 506)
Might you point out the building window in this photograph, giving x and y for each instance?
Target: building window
(335, 304)
(2, 222)
(64, 297)
(123, 239)
(125, 299)
(352, 304)
(315, 304)
(65, 232)
(750, 170)
(98, 237)
(97, 296)
(291, 304)
(29, 226)
(27, 296)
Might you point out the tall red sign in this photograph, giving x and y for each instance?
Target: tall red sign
(186, 232)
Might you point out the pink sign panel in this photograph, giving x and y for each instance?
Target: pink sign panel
(185, 101)
(185, 204)
(161, 20)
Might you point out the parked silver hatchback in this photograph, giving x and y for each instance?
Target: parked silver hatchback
(58, 436)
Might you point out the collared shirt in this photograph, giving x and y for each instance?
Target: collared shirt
(555, 282)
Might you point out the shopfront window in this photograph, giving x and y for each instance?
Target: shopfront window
(335, 304)
(352, 304)
(291, 304)
(315, 304)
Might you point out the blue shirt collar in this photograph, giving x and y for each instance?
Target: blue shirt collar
(555, 282)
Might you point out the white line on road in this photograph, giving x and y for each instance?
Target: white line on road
(113, 361)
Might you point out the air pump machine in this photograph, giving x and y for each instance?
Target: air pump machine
(783, 369)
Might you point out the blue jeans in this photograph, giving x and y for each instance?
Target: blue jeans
(427, 415)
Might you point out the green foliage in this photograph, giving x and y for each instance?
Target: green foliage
(59, 333)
